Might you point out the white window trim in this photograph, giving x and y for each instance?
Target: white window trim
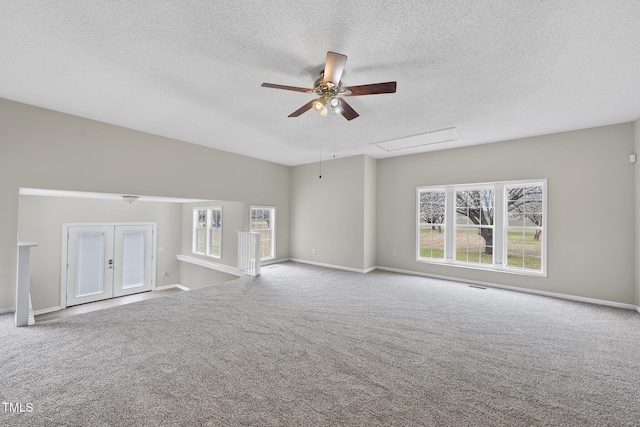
(272, 228)
(194, 231)
(446, 221)
(208, 229)
(455, 225)
(499, 226)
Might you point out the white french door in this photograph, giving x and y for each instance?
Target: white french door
(106, 261)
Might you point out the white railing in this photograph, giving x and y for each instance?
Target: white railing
(249, 253)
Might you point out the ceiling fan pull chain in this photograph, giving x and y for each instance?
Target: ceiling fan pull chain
(321, 141)
(334, 136)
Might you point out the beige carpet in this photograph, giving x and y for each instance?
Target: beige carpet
(308, 346)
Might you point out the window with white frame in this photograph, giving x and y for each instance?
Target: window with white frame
(214, 232)
(498, 225)
(474, 225)
(199, 230)
(263, 220)
(432, 224)
(207, 231)
(524, 226)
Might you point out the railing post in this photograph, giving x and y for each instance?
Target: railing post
(23, 283)
(249, 253)
(256, 254)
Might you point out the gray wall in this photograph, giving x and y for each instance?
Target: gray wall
(591, 207)
(637, 210)
(591, 194)
(334, 214)
(41, 148)
(41, 218)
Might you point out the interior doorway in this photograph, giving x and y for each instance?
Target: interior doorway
(106, 260)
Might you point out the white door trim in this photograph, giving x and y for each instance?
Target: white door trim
(64, 260)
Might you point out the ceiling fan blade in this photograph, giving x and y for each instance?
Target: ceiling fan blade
(333, 68)
(306, 107)
(294, 88)
(346, 110)
(372, 89)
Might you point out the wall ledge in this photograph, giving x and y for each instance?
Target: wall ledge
(208, 264)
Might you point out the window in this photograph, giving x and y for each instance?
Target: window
(524, 226)
(432, 223)
(214, 232)
(207, 231)
(199, 230)
(498, 226)
(263, 220)
(474, 225)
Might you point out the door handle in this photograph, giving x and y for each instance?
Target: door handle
(110, 264)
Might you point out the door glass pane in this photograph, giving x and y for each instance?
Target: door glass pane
(133, 245)
(90, 269)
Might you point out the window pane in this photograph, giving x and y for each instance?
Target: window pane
(200, 240)
(199, 230)
(476, 205)
(214, 235)
(215, 218)
(432, 207)
(462, 216)
(90, 262)
(524, 248)
(133, 248)
(202, 217)
(471, 246)
(265, 243)
(534, 220)
(432, 219)
(262, 221)
(432, 241)
(516, 219)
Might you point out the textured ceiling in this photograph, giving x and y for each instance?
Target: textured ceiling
(191, 70)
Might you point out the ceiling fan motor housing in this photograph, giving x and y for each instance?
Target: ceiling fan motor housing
(322, 88)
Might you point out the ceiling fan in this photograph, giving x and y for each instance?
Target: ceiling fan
(330, 90)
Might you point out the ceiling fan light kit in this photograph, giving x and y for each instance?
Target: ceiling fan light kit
(330, 90)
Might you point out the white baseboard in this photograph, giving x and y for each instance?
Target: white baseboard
(57, 308)
(184, 288)
(7, 310)
(274, 261)
(46, 310)
(516, 289)
(337, 267)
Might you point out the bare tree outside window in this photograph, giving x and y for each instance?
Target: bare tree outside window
(474, 228)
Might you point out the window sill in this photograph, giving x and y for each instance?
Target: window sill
(484, 267)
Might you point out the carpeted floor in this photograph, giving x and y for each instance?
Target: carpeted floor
(309, 346)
